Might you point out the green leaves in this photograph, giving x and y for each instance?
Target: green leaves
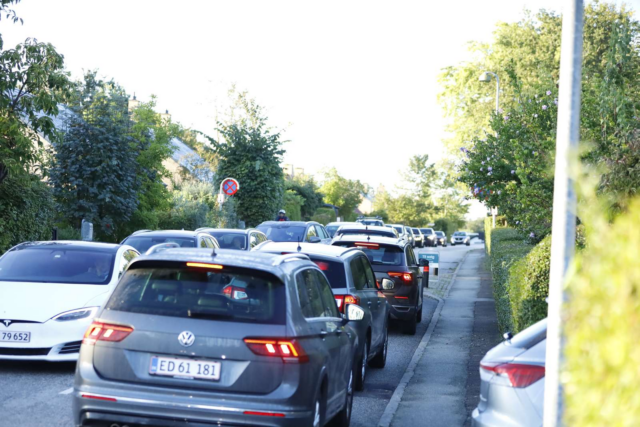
(344, 193)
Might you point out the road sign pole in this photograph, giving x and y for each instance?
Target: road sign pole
(564, 202)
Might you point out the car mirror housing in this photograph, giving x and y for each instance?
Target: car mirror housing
(353, 312)
(387, 284)
(314, 239)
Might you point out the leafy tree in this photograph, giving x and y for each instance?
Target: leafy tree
(344, 193)
(193, 205)
(293, 203)
(306, 188)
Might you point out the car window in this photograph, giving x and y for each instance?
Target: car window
(261, 237)
(378, 254)
(411, 257)
(328, 300)
(283, 232)
(143, 243)
(253, 240)
(331, 229)
(400, 230)
(125, 260)
(311, 232)
(371, 278)
(321, 232)
(359, 276)
(203, 242)
(309, 294)
(333, 270)
(230, 240)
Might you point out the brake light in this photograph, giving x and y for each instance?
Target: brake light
(406, 277)
(520, 375)
(367, 245)
(97, 397)
(204, 265)
(397, 297)
(264, 414)
(289, 350)
(105, 332)
(324, 266)
(342, 300)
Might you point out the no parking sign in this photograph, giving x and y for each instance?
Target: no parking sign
(229, 186)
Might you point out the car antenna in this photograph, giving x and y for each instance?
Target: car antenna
(368, 237)
(213, 252)
(299, 247)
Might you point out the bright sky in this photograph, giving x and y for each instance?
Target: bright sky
(353, 84)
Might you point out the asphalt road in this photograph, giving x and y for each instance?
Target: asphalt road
(36, 394)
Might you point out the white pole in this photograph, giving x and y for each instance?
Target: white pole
(564, 201)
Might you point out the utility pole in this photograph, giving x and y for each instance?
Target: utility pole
(563, 231)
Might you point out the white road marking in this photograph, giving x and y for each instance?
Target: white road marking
(67, 391)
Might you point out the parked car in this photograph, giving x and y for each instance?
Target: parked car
(51, 291)
(377, 221)
(512, 381)
(365, 229)
(219, 339)
(430, 237)
(231, 238)
(396, 269)
(410, 237)
(418, 237)
(295, 231)
(143, 240)
(460, 238)
(353, 281)
(441, 238)
(332, 227)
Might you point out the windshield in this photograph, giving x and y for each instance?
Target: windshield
(333, 270)
(426, 231)
(416, 231)
(459, 233)
(230, 240)
(380, 255)
(143, 243)
(331, 229)
(229, 294)
(80, 266)
(399, 229)
(284, 233)
(440, 233)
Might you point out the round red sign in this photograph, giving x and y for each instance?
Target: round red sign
(230, 186)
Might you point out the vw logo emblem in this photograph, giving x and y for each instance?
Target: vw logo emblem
(186, 338)
(6, 323)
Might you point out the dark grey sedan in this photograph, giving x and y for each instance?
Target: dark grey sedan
(223, 338)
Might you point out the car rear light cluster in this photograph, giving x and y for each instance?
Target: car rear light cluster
(520, 375)
(288, 350)
(342, 300)
(367, 245)
(407, 278)
(234, 292)
(99, 331)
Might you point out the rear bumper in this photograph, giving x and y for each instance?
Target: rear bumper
(491, 418)
(402, 312)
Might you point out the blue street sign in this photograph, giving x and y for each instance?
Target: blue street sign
(433, 257)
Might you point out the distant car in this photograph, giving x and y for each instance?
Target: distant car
(295, 231)
(402, 231)
(191, 337)
(409, 233)
(352, 280)
(332, 227)
(441, 238)
(419, 238)
(242, 240)
(143, 240)
(460, 238)
(51, 291)
(365, 229)
(512, 381)
(377, 221)
(397, 271)
(430, 237)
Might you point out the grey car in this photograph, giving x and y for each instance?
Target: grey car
(231, 238)
(201, 337)
(372, 230)
(143, 240)
(353, 281)
(295, 231)
(512, 375)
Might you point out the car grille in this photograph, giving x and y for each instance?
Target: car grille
(71, 347)
(24, 351)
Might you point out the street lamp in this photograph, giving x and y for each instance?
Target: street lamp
(486, 78)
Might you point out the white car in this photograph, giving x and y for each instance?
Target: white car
(460, 238)
(51, 292)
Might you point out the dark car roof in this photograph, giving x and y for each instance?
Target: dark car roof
(306, 248)
(441, 232)
(371, 239)
(62, 244)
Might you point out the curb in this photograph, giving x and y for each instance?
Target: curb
(396, 398)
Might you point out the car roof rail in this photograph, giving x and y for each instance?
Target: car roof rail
(161, 247)
(140, 232)
(290, 257)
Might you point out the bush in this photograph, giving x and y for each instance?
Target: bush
(292, 205)
(602, 355)
(193, 206)
(26, 211)
(324, 216)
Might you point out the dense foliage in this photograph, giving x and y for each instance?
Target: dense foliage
(306, 188)
(193, 205)
(342, 192)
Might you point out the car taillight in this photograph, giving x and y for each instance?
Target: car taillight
(289, 350)
(105, 332)
(234, 292)
(520, 375)
(342, 300)
(406, 277)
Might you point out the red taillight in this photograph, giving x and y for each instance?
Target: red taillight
(105, 332)
(95, 396)
(425, 269)
(264, 414)
(342, 300)
(234, 292)
(406, 277)
(520, 375)
(288, 350)
(397, 297)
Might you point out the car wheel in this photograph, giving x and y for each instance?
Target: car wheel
(419, 318)
(468, 243)
(411, 325)
(381, 358)
(343, 418)
(319, 409)
(361, 374)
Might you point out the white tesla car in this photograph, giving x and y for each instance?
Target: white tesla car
(50, 293)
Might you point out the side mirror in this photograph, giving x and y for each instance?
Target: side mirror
(314, 239)
(387, 284)
(353, 312)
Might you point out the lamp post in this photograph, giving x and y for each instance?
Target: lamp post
(486, 78)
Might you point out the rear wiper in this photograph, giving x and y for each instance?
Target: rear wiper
(209, 315)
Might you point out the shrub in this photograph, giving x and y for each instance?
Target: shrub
(324, 216)
(292, 205)
(26, 211)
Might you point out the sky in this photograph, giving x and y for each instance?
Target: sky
(351, 84)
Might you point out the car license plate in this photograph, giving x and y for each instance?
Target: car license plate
(185, 368)
(15, 336)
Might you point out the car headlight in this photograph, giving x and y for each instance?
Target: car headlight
(80, 313)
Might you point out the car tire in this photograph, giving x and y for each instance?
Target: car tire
(319, 409)
(419, 317)
(343, 418)
(380, 359)
(410, 326)
(361, 371)
(468, 243)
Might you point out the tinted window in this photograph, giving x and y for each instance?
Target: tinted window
(400, 230)
(311, 232)
(411, 257)
(57, 265)
(334, 270)
(284, 233)
(309, 295)
(359, 276)
(416, 231)
(143, 243)
(229, 240)
(371, 278)
(328, 300)
(440, 233)
(321, 232)
(230, 294)
(426, 231)
(380, 255)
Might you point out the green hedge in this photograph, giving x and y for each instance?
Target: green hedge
(324, 216)
(26, 211)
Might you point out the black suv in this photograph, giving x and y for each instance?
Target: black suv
(295, 231)
(352, 281)
(397, 272)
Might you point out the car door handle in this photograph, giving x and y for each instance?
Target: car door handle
(369, 303)
(323, 334)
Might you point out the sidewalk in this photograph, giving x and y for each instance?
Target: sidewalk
(446, 384)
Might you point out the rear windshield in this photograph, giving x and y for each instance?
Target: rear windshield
(333, 270)
(283, 233)
(229, 240)
(380, 255)
(143, 243)
(57, 265)
(371, 222)
(331, 229)
(426, 231)
(227, 294)
(369, 232)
